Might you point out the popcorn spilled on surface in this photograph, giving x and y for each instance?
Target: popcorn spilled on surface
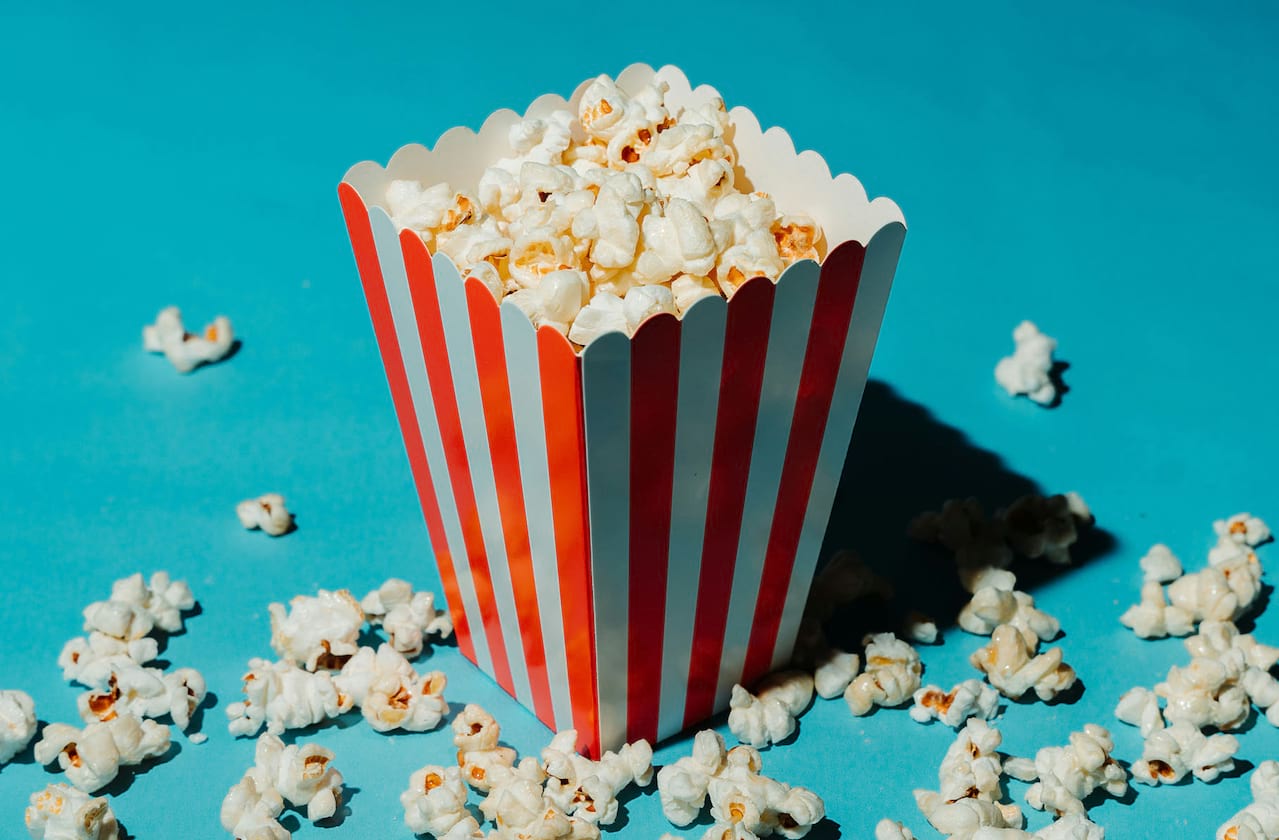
(187, 351)
(60, 812)
(266, 512)
(601, 219)
(1027, 370)
(17, 723)
(303, 777)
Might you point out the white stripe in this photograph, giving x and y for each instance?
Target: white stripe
(391, 260)
(868, 313)
(466, 386)
(787, 340)
(701, 352)
(530, 437)
(606, 401)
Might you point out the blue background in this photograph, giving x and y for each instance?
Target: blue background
(1105, 169)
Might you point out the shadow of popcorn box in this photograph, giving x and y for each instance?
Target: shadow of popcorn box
(625, 531)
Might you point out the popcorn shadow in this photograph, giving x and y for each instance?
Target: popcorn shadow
(343, 721)
(348, 793)
(127, 775)
(124, 833)
(628, 795)
(1065, 698)
(902, 461)
(197, 717)
(827, 829)
(1248, 623)
(291, 822)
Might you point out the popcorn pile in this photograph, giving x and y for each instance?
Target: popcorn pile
(184, 350)
(1027, 370)
(602, 219)
(324, 672)
(744, 803)
(768, 716)
(304, 777)
(266, 512)
(565, 796)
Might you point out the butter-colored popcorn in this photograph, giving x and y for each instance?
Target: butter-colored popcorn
(1068, 775)
(537, 252)
(390, 693)
(474, 729)
(60, 812)
(267, 512)
(280, 696)
(769, 717)
(184, 350)
(17, 723)
(320, 631)
(755, 256)
(968, 699)
(408, 617)
(890, 678)
(1140, 707)
(601, 108)
(1259, 820)
(887, 829)
(1012, 667)
(835, 669)
(1027, 371)
(161, 597)
(604, 313)
(1046, 526)
(1243, 528)
(688, 289)
(147, 693)
(435, 803)
(1154, 618)
(1160, 565)
(1169, 754)
(250, 810)
(798, 237)
(304, 775)
(92, 757)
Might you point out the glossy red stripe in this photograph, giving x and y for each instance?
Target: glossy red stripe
(435, 351)
(366, 260)
(741, 374)
(499, 421)
(832, 314)
(654, 399)
(561, 374)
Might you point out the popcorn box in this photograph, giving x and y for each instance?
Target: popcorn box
(624, 533)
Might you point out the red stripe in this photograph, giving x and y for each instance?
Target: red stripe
(832, 314)
(654, 399)
(435, 351)
(741, 375)
(561, 374)
(495, 395)
(362, 243)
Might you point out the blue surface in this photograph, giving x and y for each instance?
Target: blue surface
(1105, 169)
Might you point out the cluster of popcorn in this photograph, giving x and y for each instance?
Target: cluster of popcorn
(324, 672)
(92, 757)
(187, 351)
(1224, 591)
(968, 699)
(60, 812)
(266, 513)
(1028, 370)
(17, 723)
(1065, 776)
(565, 796)
(745, 804)
(891, 676)
(603, 218)
(768, 716)
(304, 778)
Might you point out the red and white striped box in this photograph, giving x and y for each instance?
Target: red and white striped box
(625, 532)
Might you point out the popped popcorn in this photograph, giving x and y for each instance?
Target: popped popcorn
(1169, 754)
(1224, 591)
(891, 676)
(267, 513)
(968, 699)
(319, 631)
(1154, 618)
(408, 617)
(1028, 370)
(90, 660)
(966, 819)
(1140, 707)
(835, 670)
(280, 696)
(250, 810)
(17, 723)
(683, 785)
(921, 629)
(390, 693)
(476, 734)
(145, 692)
(163, 599)
(1160, 565)
(1243, 528)
(60, 812)
(588, 790)
(184, 350)
(887, 829)
(1012, 666)
(1046, 526)
(1260, 819)
(769, 717)
(92, 757)
(1065, 776)
(998, 603)
(304, 776)
(435, 804)
(625, 209)
(743, 800)
(972, 766)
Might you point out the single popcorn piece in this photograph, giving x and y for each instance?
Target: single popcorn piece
(60, 812)
(1028, 370)
(266, 512)
(184, 350)
(769, 717)
(968, 699)
(281, 696)
(1068, 775)
(1140, 707)
(320, 631)
(92, 757)
(603, 314)
(1243, 528)
(887, 829)
(304, 776)
(967, 818)
(435, 803)
(1260, 819)
(251, 810)
(683, 785)
(1169, 754)
(1160, 565)
(408, 617)
(390, 693)
(17, 723)
(145, 692)
(891, 676)
(921, 629)
(835, 669)
(972, 766)
(1046, 526)
(1154, 617)
(1012, 667)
